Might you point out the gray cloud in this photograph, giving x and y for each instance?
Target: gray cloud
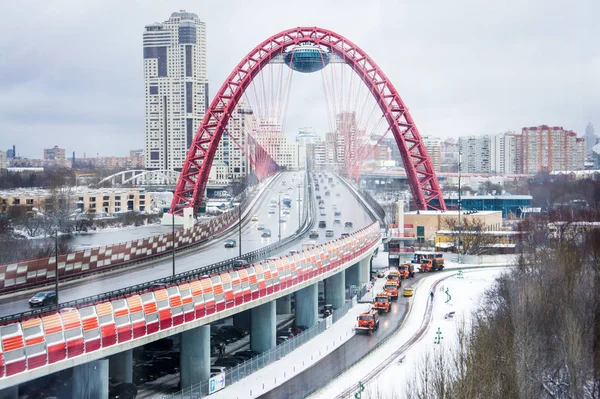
(71, 72)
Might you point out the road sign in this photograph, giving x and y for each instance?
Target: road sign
(216, 383)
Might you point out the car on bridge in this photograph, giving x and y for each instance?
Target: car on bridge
(337, 221)
(313, 234)
(327, 193)
(43, 299)
(344, 235)
(229, 243)
(260, 227)
(266, 233)
(271, 211)
(240, 264)
(322, 224)
(348, 224)
(255, 218)
(337, 194)
(329, 233)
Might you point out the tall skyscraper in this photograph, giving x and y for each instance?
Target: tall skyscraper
(176, 88)
(590, 138)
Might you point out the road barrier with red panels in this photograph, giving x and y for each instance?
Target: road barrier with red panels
(35, 272)
(69, 333)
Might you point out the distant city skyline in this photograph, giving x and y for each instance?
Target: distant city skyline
(472, 78)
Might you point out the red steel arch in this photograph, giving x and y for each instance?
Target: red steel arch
(422, 180)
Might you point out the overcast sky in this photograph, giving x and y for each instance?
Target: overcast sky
(71, 71)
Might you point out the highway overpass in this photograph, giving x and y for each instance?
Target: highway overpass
(85, 339)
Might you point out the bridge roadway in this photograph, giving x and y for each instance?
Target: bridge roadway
(346, 202)
(207, 254)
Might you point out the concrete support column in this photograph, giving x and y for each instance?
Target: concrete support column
(242, 320)
(194, 361)
(307, 312)
(284, 305)
(365, 270)
(264, 327)
(335, 290)
(90, 380)
(120, 366)
(353, 275)
(10, 393)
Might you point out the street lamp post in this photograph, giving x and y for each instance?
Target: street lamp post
(56, 264)
(176, 208)
(279, 219)
(459, 205)
(240, 229)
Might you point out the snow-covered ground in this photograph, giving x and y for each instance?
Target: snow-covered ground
(464, 296)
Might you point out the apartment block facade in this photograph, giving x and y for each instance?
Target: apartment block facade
(176, 88)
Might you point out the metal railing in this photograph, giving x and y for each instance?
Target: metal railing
(242, 370)
(217, 267)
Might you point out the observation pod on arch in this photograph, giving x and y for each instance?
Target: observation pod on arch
(311, 43)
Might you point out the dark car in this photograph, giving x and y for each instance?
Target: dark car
(298, 329)
(143, 373)
(322, 224)
(344, 235)
(247, 353)
(230, 243)
(158, 286)
(228, 362)
(43, 299)
(122, 390)
(167, 364)
(233, 331)
(266, 233)
(239, 264)
(348, 224)
(285, 333)
(337, 213)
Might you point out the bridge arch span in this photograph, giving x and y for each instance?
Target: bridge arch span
(421, 176)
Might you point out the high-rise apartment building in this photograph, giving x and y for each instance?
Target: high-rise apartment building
(176, 88)
(272, 139)
(504, 150)
(2, 160)
(55, 153)
(449, 156)
(433, 147)
(551, 148)
(475, 153)
(235, 144)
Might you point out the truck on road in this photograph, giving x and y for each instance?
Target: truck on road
(392, 287)
(367, 322)
(406, 270)
(382, 302)
(429, 261)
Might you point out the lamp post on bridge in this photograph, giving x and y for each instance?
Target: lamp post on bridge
(56, 223)
(279, 217)
(177, 207)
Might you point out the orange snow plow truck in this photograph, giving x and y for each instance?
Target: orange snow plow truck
(406, 270)
(429, 261)
(368, 322)
(382, 302)
(391, 287)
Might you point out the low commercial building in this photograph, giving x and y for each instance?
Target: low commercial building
(504, 203)
(427, 223)
(103, 201)
(478, 242)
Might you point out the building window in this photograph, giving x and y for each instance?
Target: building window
(106, 198)
(92, 199)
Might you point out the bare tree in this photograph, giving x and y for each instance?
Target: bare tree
(476, 240)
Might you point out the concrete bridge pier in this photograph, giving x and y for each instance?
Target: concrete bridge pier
(264, 327)
(120, 366)
(307, 312)
(365, 269)
(90, 380)
(353, 275)
(194, 363)
(10, 393)
(284, 305)
(335, 290)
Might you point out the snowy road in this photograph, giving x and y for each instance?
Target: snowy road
(381, 371)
